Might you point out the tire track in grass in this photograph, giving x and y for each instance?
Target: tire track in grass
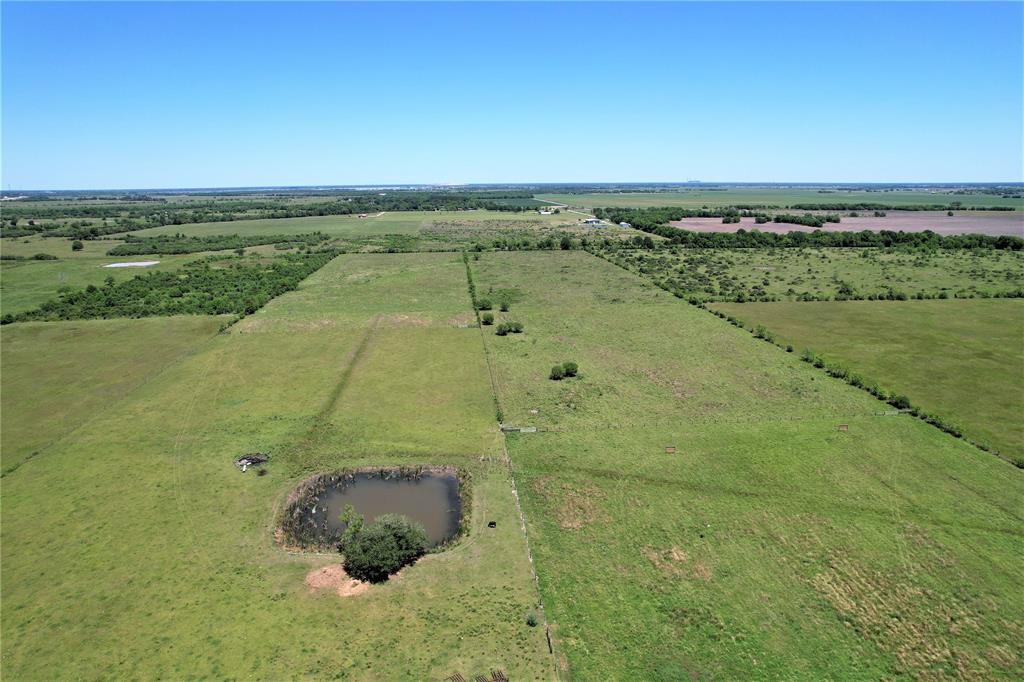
(321, 421)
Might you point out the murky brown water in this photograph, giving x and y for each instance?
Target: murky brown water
(432, 499)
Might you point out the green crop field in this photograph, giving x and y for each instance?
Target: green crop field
(751, 274)
(777, 197)
(769, 536)
(961, 359)
(134, 548)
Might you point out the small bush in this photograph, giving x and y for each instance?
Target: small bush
(77, 245)
(1019, 462)
(557, 373)
(44, 256)
(531, 620)
(487, 319)
(570, 369)
(900, 402)
(503, 307)
(483, 304)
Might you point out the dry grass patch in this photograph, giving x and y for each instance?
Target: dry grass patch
(676, 563)
(574, 507)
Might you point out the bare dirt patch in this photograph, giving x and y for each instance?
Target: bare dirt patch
(333, 577)
(575, 508)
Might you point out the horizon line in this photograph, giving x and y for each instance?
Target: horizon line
(405, 185)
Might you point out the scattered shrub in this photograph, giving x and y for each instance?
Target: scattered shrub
(531, 620)
(570, 369)
(487, 319)
(508, 328)
(503, 307)
(557, 373)
(483, 304)
(77, 245)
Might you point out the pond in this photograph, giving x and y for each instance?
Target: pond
(431, 498)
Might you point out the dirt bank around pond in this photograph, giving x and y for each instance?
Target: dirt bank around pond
(335, 578)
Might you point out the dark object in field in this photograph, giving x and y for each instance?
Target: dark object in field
(492, 524)
(251, 459)
(262, 472)
(844, 427)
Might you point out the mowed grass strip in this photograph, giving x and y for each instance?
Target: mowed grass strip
(769, 544)
(961, 359)
(157, 559)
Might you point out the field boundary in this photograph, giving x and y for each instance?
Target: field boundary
(836, 372)
(512, 476)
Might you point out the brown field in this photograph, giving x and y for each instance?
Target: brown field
(993, 223)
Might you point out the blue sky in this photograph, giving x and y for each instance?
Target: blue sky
(201, 94)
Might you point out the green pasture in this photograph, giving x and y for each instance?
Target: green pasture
(346, 226)
(726, 274)
(768, 537)
(58, 376)
(777, 197)
(963, 360)
(134, 548)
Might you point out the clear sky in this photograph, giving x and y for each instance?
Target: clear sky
(145, 95)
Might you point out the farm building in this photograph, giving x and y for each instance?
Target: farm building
(625, 225)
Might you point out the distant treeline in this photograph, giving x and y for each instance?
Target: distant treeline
(655, 221)
(209, 287)
(21, 220)
(868, 206)
(179, 243)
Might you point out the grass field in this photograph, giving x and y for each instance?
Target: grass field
(768, 545)
(768, 537)
(774, 197)
(725, 274)
(58, 376)
(134, 548)
(348, 226)
(963, 360)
